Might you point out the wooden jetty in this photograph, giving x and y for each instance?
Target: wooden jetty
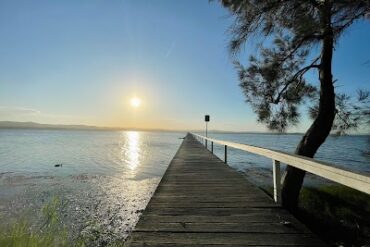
(201, 201)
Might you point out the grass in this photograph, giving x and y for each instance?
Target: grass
(49, 232)
(19, 235)
(338, 214)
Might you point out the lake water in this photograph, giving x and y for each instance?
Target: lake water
(108, 177)
(347, 152)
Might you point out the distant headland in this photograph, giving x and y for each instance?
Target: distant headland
(33, 125)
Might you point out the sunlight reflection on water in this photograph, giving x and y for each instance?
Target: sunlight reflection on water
(132, 150)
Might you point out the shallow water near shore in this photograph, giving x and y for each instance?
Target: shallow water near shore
(107, 177)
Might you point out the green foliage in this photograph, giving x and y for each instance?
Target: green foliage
(51, 233)
(275, 89)
(19, 235)
(50, 212)
(273, 81)
(301, 19)
(350, 113)
(337, 213)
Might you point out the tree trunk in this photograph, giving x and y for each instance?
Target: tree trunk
(321, 126)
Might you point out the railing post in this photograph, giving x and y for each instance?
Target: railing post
(212, 147)
(206, 143)
(276, 176)
(225, 154)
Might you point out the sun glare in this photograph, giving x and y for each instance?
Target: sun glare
(135, 102)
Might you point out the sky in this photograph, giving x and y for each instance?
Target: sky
(81, 62)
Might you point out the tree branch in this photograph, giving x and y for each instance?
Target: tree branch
(299, 74)
(349, 22)
(300, 43)
(315, 3)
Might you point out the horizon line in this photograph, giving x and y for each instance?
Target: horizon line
(34, 125)
(5, 124)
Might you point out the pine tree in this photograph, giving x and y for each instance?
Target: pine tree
(297, 36)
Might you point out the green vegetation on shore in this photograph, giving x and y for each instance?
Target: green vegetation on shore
(49, 231)
(338, 214)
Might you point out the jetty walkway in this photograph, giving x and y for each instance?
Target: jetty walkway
(201, 201)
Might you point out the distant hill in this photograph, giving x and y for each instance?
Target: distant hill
(33, 125)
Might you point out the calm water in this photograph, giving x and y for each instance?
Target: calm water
(108, 177)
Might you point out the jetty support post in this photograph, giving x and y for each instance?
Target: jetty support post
(276, 179)
(225, 153)
(211, 147)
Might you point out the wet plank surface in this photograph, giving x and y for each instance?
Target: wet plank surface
(201, 201)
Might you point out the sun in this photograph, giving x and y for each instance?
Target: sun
(135, 102)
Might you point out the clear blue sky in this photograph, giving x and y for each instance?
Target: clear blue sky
(82, 61)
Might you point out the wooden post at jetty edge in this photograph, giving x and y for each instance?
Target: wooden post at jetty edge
(206, 119)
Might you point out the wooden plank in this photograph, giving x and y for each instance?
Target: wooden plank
(257, 217)
(244, 239)
(209, 199)
(219, 227)
(205, 211)
(140, 244)
(201, 201)
(188, 204)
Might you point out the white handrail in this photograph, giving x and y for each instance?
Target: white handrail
(319, 168)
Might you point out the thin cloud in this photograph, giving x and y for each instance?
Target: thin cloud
(16, 111)
(24, 114)
(169, 51)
